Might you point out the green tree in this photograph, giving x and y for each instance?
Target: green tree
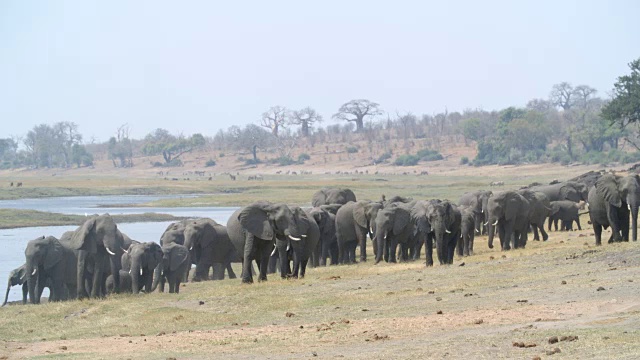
(624, 108)
(160, 141)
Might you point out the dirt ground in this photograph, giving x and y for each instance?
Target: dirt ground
(565, 287)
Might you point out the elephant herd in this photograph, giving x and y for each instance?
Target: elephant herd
(97, 259)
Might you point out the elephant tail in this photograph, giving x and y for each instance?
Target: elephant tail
(157, 274)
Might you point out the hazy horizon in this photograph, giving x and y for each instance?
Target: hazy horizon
(203, 66)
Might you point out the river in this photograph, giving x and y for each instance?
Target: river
(14, 241)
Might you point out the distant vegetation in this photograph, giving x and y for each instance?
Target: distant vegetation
(572, 125)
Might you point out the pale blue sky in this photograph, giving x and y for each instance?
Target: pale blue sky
(198, 66)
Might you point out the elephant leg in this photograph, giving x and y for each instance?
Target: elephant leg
(303, 268)
(545, 236)
(597, 231)
(248, 255)
(393, 247)
(504, 235)
(429, 249)
(341, 253)
(362, 241)
(624, 222)
(324, 254)
(177, 285)
(577, 219)
(25, 293)
(284, 258)
(550, 221)
(230, 272)
(459, 246)
(273, 261)
(96, 286)
(333, 251)
(148, 280)
(264, 251)
(536, 236)
(80, 272)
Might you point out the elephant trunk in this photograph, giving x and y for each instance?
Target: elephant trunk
(157, 274)
(135, 276)
(116, 265)
(380, 244)
(441, 246)
(6, 296)
(490, 233)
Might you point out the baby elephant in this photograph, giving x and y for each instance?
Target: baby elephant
(175, 264)
(125, 283)
(566, 211)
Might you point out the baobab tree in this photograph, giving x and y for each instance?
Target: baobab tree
(356, 110)
(305, 118)
(274, 118)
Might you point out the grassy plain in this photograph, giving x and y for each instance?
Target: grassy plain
(563, 287)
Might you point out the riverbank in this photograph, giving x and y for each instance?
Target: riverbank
(12, 218)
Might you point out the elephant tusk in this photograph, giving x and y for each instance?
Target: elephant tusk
(129, 271)
(34, 271)
(288, 247)
(123, 249)
(294, 238)
(447, 231)
(274, 251)
(304, 236)
(629, 206)
(487, 223)
(371, 229)
(477, 231)
(109, 251)
(495, 223)
(191, 248)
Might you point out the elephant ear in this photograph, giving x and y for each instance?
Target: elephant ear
(401, 221)
(80, 240)
(359, 215)
(319, 198)
(302, 220)
(157, 253)
(54, 253)
(607, 187)
(179, 254)
(511, 204)
(255, 219)
(568, 191)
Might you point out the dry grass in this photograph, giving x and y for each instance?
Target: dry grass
(366, 311)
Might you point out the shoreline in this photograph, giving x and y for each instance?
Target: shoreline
(14, 218)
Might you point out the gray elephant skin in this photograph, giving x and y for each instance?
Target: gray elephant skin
(297, 251)
(508, 214)
(468, 217)
(253, 231)
(539, 211)
(477, 201)
(175, 264)
(47, 258)
(611, 201)
(568, 190)
(566, 212)
(18, 276)
(353, 222)
(327, 248)
(97, 242)
(328, 196)
(393, 227)
(210, 247)
(140, 261)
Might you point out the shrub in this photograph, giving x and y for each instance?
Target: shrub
(464, 160)
(283, 161)
(210, 163)
(252, 161)
(352, 149)
(221, 155)
(303, 157)
(384, 157)
(429, 155)
(406, 160)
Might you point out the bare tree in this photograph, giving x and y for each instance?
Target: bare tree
(582, 94)
(562, 95)
(406, 122)
(356, 110)
(274, 119)
(305, 118)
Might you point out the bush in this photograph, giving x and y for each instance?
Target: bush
(384, 157)
(406, 160)
(352, 149)
(464, 160)
(303, 157)
(210, 163)
(283, 161)
(429, 155)
(221, 155)
(252, 161)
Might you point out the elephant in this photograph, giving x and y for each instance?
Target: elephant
(140, 261)
(125, 283)
(97, 242)
(173, 268)
(298, 251)
(18, 276)
(508, 213)
(423, 231)
(568, 190)
(588, 178)
(443, 219)
(174, 233)
(567, 212)
(328, 196)
(477, 201)
(210, 246)
(253, 231)
(393, 226)
(327, 248)
(539, 210)
(611, 201)
(467, 230)
(353, 222)
(48, 259)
